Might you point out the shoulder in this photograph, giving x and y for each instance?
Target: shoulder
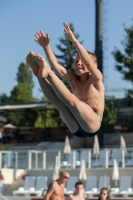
(52, 185)
(98, 83)
(71, 76)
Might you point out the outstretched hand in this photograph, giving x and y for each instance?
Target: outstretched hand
(41, 39)
(69, 32)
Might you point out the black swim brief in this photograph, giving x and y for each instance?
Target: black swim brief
(82, 134)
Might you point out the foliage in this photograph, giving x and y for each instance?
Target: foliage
(124, 60)
(4, 147)
(129, 123)
(48, 118)
(111, 111)
(21, 93)
(4, 99)
(40, 120)
(124, 64)
(24, 75)
(22, 118)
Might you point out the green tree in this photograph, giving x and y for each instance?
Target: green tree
(24, 75)
(4, 99)
(21, 93)
(22, 118)
(68, 51)
(124, 60)
(111, 111)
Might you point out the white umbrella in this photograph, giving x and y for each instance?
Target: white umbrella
(82, 173)
(123, 145)
(96, 146)
(9, 126)
(115, 175)
(67, 148)
(123, 150)
(56, 169)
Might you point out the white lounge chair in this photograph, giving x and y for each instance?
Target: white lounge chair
(125, 187)
(91, 183)
(129, 162)
(84, 155)
(101, 162)
(72, 157)
(41, 185)
(29, 185)
(116, 154)
(71, 185)
(104, 181)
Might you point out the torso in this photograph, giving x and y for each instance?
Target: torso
(90, 92)
(58, 193)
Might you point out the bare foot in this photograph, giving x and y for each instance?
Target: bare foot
(32, 63)
(43, 66)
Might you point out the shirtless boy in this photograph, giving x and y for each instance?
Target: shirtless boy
(78, 194)
(81, 110)
(56, 188)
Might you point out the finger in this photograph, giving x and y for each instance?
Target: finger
(42, 34)
(36, 36)
(36, 40)
(47, 35)
(66, 25)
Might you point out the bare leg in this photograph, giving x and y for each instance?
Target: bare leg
(83, 113)
(65, 113)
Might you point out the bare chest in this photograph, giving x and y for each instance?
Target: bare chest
(85, 92)
(76, 197)
(59, 190)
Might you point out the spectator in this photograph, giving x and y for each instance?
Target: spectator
(104, 194)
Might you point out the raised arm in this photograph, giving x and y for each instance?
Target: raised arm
(43, 40)
(50, 190)
(84, 55)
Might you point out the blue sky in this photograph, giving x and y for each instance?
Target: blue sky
(21, 19)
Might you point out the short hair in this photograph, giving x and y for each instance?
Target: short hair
(93, 56)
(62, 172)
(78, 183)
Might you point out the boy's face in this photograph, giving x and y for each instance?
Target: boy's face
(79, 189)
(79, 67)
